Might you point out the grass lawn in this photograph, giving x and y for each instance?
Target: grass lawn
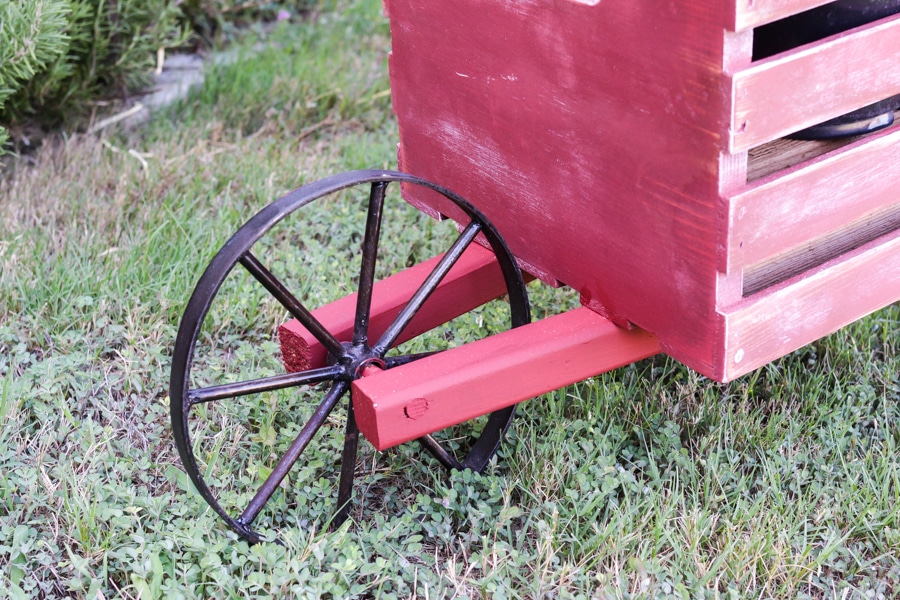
(647, 482)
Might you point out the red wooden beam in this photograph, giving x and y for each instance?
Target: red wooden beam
(474, 280)
(410, 401)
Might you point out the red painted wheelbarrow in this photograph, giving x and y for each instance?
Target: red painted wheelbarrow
(639, 154)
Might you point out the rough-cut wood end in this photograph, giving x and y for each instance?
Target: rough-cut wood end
(295, 351)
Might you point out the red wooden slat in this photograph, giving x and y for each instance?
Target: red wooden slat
(751, 13)
(474, 280)
(475, 379)
(784, 211)
(792, 91)
(821, 301)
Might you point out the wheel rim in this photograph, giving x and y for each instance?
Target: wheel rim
(348, 356)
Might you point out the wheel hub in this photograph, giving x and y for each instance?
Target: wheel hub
(357, 358)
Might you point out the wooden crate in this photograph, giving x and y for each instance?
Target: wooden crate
(634, 151)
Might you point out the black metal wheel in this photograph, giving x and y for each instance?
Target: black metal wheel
(204, 389)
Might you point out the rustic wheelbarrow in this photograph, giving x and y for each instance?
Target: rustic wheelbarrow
(636, 152)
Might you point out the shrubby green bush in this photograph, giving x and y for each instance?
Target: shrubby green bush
(58, 58)
(215, 20)
(100, 49)
(31, 37)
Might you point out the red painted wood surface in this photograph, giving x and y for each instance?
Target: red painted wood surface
(751, 13)
(783, 211)
(407, 402)
(800, 311)
(608, 143)
(474, 280)
(799, 88)
(590, 135)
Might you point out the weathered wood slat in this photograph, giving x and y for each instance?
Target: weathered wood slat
(752, 13)
(808, 202)
(819, 251)
(407, 402)
(812, 84)
(785, 153)
(473, 281)
(821, 301)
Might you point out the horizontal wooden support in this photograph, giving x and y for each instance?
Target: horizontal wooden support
(752, 13)
(794, 90)
(819, 302)
(474, 280)
(808, 202)
(458, 385)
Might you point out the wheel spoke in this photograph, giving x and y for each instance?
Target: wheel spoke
(489, 440)
(293, 453)
(395, 361)
(440, 453)
(287, 300)
(428, 286)
(265, 384)
(367, 267)
(348, 468)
